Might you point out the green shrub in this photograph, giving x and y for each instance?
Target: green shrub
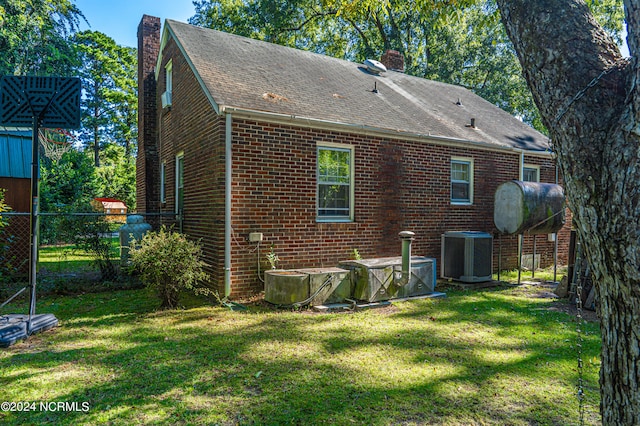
(93, 237)
(169, 263)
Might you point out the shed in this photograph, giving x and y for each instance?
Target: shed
(15, 167)
(15, 179)
(114, 209)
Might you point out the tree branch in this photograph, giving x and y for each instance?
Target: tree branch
(632, 17)
(562, 49)
(313, 17)
(365, 39)
(380, 28)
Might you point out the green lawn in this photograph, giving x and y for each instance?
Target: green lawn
(491, 357)
(70, 258)
(528, 275)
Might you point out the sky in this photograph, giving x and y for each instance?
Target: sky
(119, 19)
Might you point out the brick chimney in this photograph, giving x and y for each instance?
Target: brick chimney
(147, 162)
(393, 60)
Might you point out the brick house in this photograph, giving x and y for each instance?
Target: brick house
(320, 155)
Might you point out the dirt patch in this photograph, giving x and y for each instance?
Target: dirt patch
(562, 305)
(544, 290)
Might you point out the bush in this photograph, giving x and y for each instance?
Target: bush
(93, 236)
(169, 263)
(89, 232)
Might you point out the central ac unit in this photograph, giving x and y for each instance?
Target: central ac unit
(467, 256)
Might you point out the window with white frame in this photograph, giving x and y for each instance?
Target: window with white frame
(461, 180)
(166, 97)
(168, 72)
(163, 182)
(334, 183)
(531, 173)
(179, 184)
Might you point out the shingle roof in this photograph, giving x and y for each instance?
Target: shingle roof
(249, 74)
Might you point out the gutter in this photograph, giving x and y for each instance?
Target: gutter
(375, 131)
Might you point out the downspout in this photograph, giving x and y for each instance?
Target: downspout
(521, 172)
(227, 206)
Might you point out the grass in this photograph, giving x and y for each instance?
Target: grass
(546, 274)
(490, 357)
(71, 258)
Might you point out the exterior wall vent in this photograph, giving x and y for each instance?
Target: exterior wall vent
(166, 99)
(467, 256)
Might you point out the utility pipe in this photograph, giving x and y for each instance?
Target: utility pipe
(407, 238)
(555, 241)
(520, 236)
(227, 205)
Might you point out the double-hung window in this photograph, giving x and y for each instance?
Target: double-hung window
(179, 184)
(461, 181)
(531, 173)
(163, 182)
(334, 183)
(166, 97)
(168, 73)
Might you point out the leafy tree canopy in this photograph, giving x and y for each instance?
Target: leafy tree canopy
(34, 37)
(67, 183)
(117, 175)
(455, 41)
(109, 103)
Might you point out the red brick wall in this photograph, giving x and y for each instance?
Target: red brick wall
(192, 126)
(399, 185)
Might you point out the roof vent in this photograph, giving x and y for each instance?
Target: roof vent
(374, 66)
(472, 124)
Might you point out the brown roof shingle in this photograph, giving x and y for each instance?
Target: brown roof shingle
(249, 74)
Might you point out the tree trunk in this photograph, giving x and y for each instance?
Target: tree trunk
(588, 98)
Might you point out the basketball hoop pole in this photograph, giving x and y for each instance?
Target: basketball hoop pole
(35, 209)
(33, 218)
(38, 101)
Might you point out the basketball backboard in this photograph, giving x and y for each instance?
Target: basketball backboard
(55, 101)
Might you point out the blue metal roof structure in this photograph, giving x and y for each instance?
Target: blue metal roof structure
(15, 153)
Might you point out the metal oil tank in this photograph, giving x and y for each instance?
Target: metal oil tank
(531, 207)
(132, 231)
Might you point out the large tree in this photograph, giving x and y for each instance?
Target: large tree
(117, 175)
(109, 104)
(34, 36)
(588, 97)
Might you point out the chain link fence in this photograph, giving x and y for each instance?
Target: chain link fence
(77, 252)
